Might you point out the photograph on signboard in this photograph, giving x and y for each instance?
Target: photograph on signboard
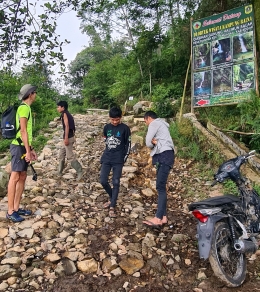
(202, 56)
(243, 76)
(243, 46)
(221, 52)
(222, 80)
(202, 83)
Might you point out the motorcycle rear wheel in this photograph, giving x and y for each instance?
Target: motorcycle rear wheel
(227, 264)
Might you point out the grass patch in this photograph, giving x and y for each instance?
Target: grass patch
(5, 144)
(229, 187)
(39, 142)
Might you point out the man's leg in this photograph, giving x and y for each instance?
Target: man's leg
(72, 158)
(16, 182)
(69, 150)
(14, 178)
(161, 180)
(19, 190)
(62, 153)
(117, 172)
(15, 190)
(61, 157)
(104, 173)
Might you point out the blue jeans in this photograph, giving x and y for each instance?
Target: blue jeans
(162, 173)
(104, 173)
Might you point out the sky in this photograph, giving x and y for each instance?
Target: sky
(68, 27)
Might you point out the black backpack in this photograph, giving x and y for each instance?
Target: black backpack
(8, 122)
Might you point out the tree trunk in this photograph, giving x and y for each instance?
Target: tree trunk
(132, 40)
(256, 5)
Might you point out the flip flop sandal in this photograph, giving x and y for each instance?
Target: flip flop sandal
(112, 213)
(152, 225)
(106, 205)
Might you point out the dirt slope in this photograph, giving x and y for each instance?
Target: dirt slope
(185, 184)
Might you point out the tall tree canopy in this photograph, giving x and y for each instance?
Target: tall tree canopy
(137, 47)
(28, 30)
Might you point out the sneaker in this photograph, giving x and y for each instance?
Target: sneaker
(24, 212)
(14, 217)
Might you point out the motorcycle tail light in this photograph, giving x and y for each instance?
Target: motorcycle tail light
(202, 218)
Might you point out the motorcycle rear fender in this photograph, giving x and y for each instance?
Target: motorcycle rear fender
(205, 232)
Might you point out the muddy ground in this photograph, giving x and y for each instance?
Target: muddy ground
(186, 183)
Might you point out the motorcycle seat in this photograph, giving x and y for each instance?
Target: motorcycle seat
(214, 202)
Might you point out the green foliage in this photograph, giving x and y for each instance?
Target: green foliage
(39, 141)
(229, 187)
(191, 144)
(249, 119)
(163, 99)
(207, 8)
(44, 107)
(4, 144)
(26, 35)
(243, 117)
(9, 89)
(76, 105)
(256, 187)
(163, 108)
(185, 140)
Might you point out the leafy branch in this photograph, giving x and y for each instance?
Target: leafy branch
(28, 31)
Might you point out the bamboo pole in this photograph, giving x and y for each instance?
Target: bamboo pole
(192, 69)
(256, 55)
(184, 90)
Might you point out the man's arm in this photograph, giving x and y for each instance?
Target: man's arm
(25, 139)
(127, 143)
(67, 128)
(152, 130)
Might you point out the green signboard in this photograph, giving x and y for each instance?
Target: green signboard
(223, 62)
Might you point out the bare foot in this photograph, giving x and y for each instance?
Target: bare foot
(155, 221)
(164, 220)
(112, 213)
(106, 205)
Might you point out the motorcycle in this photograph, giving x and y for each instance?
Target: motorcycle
(227, 226)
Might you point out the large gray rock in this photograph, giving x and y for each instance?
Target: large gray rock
(141, 107)
(138, 108)
(4, 178)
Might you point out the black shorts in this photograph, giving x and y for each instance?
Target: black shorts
(18, 164)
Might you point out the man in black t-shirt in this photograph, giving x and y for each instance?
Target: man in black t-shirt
(69, 139)
(117, 137)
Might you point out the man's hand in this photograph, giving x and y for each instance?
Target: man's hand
(154, 141)
(30, 156)
(33, 155)
(27, 157)
(66, 142)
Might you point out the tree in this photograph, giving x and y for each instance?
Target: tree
(27, 30)
(97, 52)
(79, 68)
(9, 89)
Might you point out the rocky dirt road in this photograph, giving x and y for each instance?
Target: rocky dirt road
(70, 244)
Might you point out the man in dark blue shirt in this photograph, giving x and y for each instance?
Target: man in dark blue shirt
(117, 137)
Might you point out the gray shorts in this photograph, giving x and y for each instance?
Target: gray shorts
(18, 164)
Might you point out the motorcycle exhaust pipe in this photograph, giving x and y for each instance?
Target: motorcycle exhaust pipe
(245, 246)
